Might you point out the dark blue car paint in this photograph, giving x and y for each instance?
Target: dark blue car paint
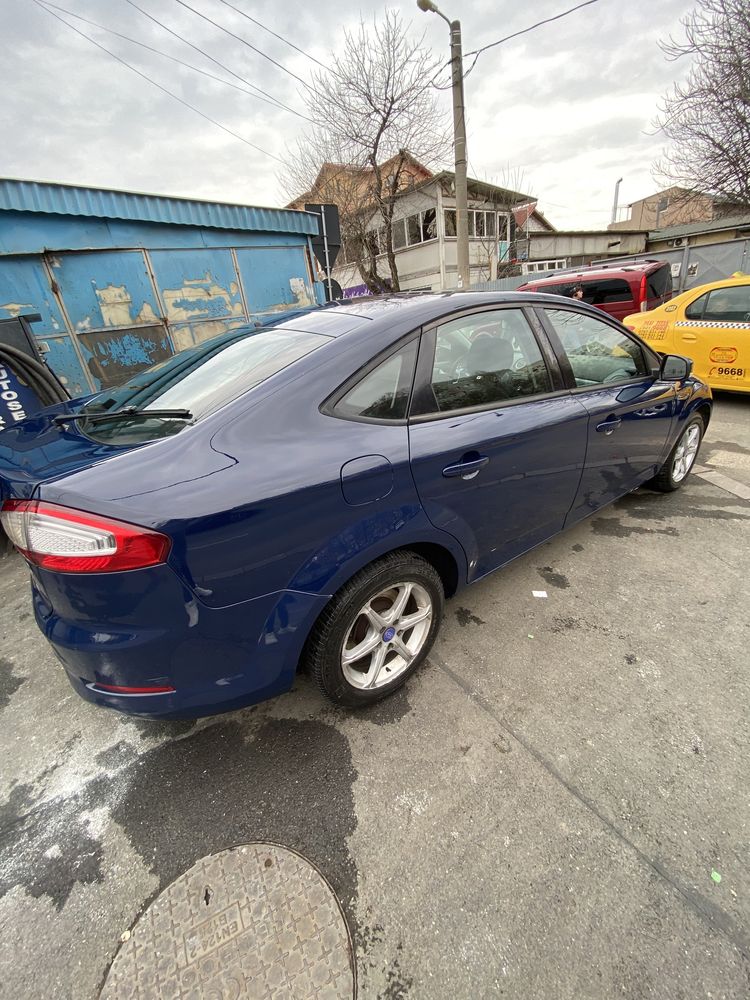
(272, 504)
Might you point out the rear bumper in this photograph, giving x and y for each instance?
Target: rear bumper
(205, 660)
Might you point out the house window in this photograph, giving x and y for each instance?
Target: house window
(414, 229)
(482, 224)
(429, 225)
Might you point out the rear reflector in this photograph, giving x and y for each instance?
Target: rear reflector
(71, 541)
(119, 689)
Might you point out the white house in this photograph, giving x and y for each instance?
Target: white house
(424, 235)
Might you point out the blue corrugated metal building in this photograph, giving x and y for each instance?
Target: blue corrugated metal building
(123, 280)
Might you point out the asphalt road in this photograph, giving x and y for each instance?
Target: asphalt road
(543, 812)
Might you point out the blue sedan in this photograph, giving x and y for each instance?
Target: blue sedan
(310, 492)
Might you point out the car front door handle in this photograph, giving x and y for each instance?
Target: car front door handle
(609, 425)
(467, 469)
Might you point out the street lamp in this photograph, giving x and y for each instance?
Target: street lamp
(459, 143)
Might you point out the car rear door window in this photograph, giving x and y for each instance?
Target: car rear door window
(728, 305)
(597, 352)
(383, 393)
(484, 360)
(696, 309)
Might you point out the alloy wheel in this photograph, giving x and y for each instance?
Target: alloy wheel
(686, 451)
(386, 635)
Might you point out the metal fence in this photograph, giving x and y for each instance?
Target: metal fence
(501, 284)
(697, 265)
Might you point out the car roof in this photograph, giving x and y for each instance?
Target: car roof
(404, 309)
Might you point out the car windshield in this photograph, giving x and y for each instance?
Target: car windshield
(199, 381)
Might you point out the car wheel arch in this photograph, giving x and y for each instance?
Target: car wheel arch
(440, 557)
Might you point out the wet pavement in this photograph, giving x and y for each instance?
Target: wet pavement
(557, 805)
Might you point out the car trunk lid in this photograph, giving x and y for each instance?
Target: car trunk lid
(38, 450)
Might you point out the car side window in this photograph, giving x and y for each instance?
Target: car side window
(382, 394)
(485, 359)
(597, 352)
(660, 283)
(696, 309)
(728, 305)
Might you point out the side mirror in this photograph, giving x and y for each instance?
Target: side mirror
(675, 368)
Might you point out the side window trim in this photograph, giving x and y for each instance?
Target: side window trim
(328, 406)
(650, 359)
(423, 398)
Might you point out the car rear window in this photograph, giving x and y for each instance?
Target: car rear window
(597, 292)
(209, 378)
(660, 283)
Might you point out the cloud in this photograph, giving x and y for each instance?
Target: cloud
(568, 103)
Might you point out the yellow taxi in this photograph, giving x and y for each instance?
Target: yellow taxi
(711, 325)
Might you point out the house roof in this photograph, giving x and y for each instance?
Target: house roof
(105, 203)
(483, 188)
(592, 232)
(696, 228)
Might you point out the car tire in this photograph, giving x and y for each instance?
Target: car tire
(376, 630)
(682, 457)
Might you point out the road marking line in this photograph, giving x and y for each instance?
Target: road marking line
(724, 483)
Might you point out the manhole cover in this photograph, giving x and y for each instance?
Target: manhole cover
(257, 922)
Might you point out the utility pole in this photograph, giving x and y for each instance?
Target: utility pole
(459, 144)
(614, 205)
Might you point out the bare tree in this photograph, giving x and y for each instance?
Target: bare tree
(374, 113)
(707, 117)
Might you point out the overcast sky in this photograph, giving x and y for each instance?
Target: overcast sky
(560, 113)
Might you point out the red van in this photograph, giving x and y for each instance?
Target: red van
(617, 289)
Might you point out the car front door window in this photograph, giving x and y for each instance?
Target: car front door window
(597, 352)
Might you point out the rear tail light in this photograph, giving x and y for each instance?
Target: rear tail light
(644, 294)
(71, 541)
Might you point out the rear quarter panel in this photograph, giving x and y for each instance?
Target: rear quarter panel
(253, 501)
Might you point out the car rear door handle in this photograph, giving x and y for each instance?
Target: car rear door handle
(689, 338)
(609, 425)
(467, 469)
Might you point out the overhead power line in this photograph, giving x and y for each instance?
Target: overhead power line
(516, 34)
(164, 90)
(267, 99)
(197, 48)
(244, 41)
(275, 35)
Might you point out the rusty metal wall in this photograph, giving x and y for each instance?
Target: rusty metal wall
(108, 313)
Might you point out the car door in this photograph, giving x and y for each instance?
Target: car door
(497, 443)
(630, 410)
(715, 332)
